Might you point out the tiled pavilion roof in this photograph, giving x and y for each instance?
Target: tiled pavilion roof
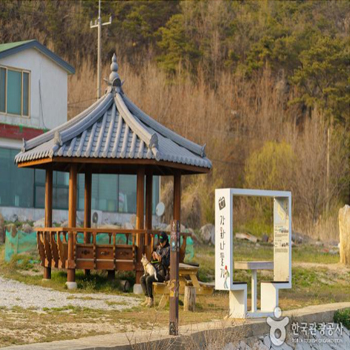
(114, 128)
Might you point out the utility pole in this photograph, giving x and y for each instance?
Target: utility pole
(98, 24)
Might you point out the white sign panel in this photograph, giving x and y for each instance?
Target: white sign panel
(281, 240)
(223, 240)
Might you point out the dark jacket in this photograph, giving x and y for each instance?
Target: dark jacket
(163, 266)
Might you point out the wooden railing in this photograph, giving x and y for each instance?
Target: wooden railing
(60, 247)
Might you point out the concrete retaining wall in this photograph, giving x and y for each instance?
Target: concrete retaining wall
(212, 335)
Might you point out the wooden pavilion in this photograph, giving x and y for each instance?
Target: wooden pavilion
(112, 136)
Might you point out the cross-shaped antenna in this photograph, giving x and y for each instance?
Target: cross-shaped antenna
(98, 24)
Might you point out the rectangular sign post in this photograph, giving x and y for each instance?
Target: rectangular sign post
(282, 251)
(223, 239)
(224, 260)
(174, 278)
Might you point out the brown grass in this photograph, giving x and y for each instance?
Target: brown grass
(235, 119)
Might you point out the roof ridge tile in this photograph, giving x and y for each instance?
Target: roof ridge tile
(110, 132)
(117, 136)
(100, 136)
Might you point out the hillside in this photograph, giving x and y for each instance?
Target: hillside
(264, 84)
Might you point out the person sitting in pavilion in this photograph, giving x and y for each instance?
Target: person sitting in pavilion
(161, 262)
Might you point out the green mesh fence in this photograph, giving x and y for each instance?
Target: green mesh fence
(18, 243)
(23, 242)
(189, 255)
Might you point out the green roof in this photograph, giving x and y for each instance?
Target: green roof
(9, 49)
(8, 46)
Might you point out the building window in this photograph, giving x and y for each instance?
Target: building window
(104, 192)
(25, 188)
(16, 185)
(60, 184)
(14, 91)
(127, 193)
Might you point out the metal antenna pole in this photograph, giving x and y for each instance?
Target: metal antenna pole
(99, 50)
(98, 24)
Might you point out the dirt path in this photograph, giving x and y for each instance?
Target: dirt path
(332, 267)
(13, 293)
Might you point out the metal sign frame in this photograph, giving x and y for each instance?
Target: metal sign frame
(224, 279)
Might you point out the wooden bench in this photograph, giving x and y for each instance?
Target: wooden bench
(53, 251)
(203, 289)
(187, 277)
(105, 257)
(64, 248)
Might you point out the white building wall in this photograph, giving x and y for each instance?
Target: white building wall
(48, 101)
(61, 216)
(9, 143)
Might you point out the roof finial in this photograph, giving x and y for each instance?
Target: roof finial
(114, 76)
(114, 64)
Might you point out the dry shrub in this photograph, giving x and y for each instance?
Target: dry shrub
(235, 118)
(310, 182)
(217, 336)
(149, 341)
(198, 199)
(191, 209)
(167, 196)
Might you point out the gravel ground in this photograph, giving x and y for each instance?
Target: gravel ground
(13, 293)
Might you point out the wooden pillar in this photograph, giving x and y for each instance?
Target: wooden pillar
(87, 208)
(140, 211)
(177, 212)
(72, 219)
(48, 214)
(174, 258)
(148, 223)
(174, 278)
(87, 201)
(177, 197)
